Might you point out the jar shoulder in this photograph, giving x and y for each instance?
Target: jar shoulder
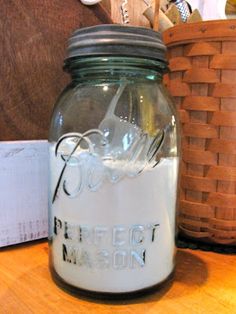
(84, 106)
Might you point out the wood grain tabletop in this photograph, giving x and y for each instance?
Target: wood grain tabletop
(204, 282)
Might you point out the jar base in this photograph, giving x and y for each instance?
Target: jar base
(89, 294)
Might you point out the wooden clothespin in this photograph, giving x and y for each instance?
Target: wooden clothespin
(173, 14)
(194, 17)
(164, 22)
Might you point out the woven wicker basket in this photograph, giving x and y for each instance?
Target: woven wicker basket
(202, 81)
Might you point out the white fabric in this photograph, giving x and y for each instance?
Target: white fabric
(209, 9)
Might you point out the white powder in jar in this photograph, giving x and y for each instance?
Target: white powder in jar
(119, 238)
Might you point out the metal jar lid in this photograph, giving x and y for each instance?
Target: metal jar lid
(116, 40)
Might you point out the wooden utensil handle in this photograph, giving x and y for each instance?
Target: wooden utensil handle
(156, 15)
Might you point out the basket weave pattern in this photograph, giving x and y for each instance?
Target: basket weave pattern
(202, 81)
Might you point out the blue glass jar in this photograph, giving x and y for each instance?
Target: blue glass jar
(113, 165)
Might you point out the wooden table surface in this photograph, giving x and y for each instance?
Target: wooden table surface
(204, 282)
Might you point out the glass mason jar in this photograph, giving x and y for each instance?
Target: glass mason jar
(113, 165)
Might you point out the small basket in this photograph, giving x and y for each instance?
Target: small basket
(202, 80)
